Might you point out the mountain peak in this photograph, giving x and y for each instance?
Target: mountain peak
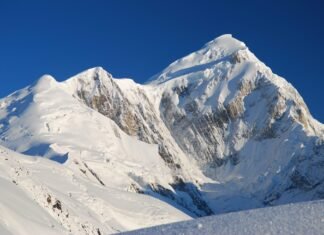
(91, 79)
(89, 76)
(44, 83)
(225, 42)
(94, 72)
(212, 53)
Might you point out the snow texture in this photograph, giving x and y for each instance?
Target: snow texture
(40, 196)
(298, 218)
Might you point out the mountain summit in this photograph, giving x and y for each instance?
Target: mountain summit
(212, 53)
(216, 131)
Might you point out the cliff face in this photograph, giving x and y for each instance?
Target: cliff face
(229, 133)
(246, 127)
(128, 105)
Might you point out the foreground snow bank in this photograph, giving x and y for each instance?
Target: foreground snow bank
(297, 218)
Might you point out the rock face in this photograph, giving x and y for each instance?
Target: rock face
(130, 109)
(232, 134)
(129, 106)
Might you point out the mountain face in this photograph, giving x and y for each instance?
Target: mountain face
(216, 131)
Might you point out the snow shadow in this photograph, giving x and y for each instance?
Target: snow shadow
(185, 197)
(45, 150)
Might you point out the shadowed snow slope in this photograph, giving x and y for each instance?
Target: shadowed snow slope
(214, 132)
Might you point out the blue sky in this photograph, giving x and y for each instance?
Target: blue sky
(139, 38)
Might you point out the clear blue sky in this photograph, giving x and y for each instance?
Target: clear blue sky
(138, 38)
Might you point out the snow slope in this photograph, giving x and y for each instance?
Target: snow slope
(216, 131)
(103, 167)
(298, 218)
(40, 196)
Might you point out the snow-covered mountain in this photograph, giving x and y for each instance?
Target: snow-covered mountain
(214, 132)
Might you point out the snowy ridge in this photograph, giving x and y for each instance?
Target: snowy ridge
(214, 132)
